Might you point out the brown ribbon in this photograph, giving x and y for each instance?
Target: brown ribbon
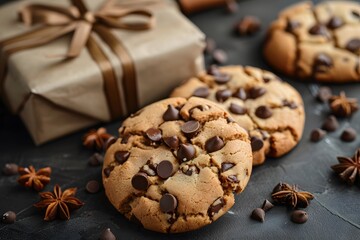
(77, 20)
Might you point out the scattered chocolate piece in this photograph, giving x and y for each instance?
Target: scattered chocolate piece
(353, 45)
(322, 63)
(96, 139)
(108, 170)
(172, 142)
(319, 29)
(286, 194)
(299, 216)
(219, 77)
(263, 112)
(231, 6)
(154, 134)
(256, 92)
(355, 13)
(289, 104)
(292, 25)
(219, 56)
(9, 217)
(349, 168)
(216, 206)
(214, 144)
(92, 186)
(190, 128)
(233, 178)
(330, 124)
(237, 109)
(10, 169)
(324, 94)
(110, 141)
(248, 25)
(186, 152)
(125, 138)
(256, 144)
(140, 181)
(226, 166)
(258, 214)
(201, 92)
(223, 95)
(317, 134)
(171, 114)
(31, 178)
(210, 45)
(335, 22)
(267, 205)
(121, 156)
(348, 135)
(107, 235)
(96, 160)
(240, 93)
(168, 203)
(341, 106)
(164, 169)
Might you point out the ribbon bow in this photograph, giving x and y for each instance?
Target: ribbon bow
(56, 22)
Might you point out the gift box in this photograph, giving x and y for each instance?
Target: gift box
(67, 65)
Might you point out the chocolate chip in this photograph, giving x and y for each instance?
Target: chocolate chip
(353, 45)
(140, 181)
(107, 235)
(289, 104)
(299, 216)
(258, 214)
(96, 160)
(263, 112)
(171, 113)
(232, 6)
(248, 25)
(210, 45)
(164, 169)
(330, 124)
(279, 187)
(190, 128)
(237, 109)
(240, 93)
(110, 141)
(267, 205)
(121, 156)
(322, 63)
(233, 178)
(108, 170)
(125, 138)
(186, 152)
(335, 22)
(319, 29)
(223, 95)
(324, 94)
(256, 144)
(216, 206)
(168, 203)
(219, 77)
(292, 25)
(214, 144)
(256, 92)
(10, 169)
(172, 142)
(348, 135)
(189, 170)
(317, 134)
(154, 134)
(201, 92)
(355, 13)
(213, 70)
(9, 217)
(219, 56)
(226, 166)
(266, 79)
(92, 186)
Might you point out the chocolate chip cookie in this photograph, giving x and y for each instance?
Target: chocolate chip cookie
(319, 42)
(177, 165)
(271, 110)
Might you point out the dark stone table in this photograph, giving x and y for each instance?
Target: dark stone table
(333, 214)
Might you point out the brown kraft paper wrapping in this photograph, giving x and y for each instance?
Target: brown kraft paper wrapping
(58, 96)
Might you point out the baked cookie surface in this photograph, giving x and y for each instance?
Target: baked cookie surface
(177, 165)
(319, 42)
(270, 110)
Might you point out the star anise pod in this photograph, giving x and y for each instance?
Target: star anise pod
(349, 168)
(289, 195)
(342, 106)
(96, 139)
(31, 178)
(58, 204)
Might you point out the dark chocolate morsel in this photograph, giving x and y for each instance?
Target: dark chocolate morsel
(292, 25)
(171, 113)
(172, 142)
(214, 144)
(263, 112)
(256, 144)
(299, 216)
(154, 134)
(348, 135)
(164, 169)
(108, 170)
(289, 104)
(240, 93)
(92, 186)
(335, 22)
(9, 217)
(216, 206)
(223, 95)
(201, 92)
(330, 124)
(317, 134)
(107, 235)
(168, 203)
(256, 92)
(267, 205)
(121, 156)
(140, 181)
(322, 63)
(233, 178)
(10, 169)
(190, 127)
(319, 29)
(258, 214)
(353, 45)
(226, 166)
(237, 109)
(186, 152)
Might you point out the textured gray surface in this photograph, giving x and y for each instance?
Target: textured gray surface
(333, 214)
